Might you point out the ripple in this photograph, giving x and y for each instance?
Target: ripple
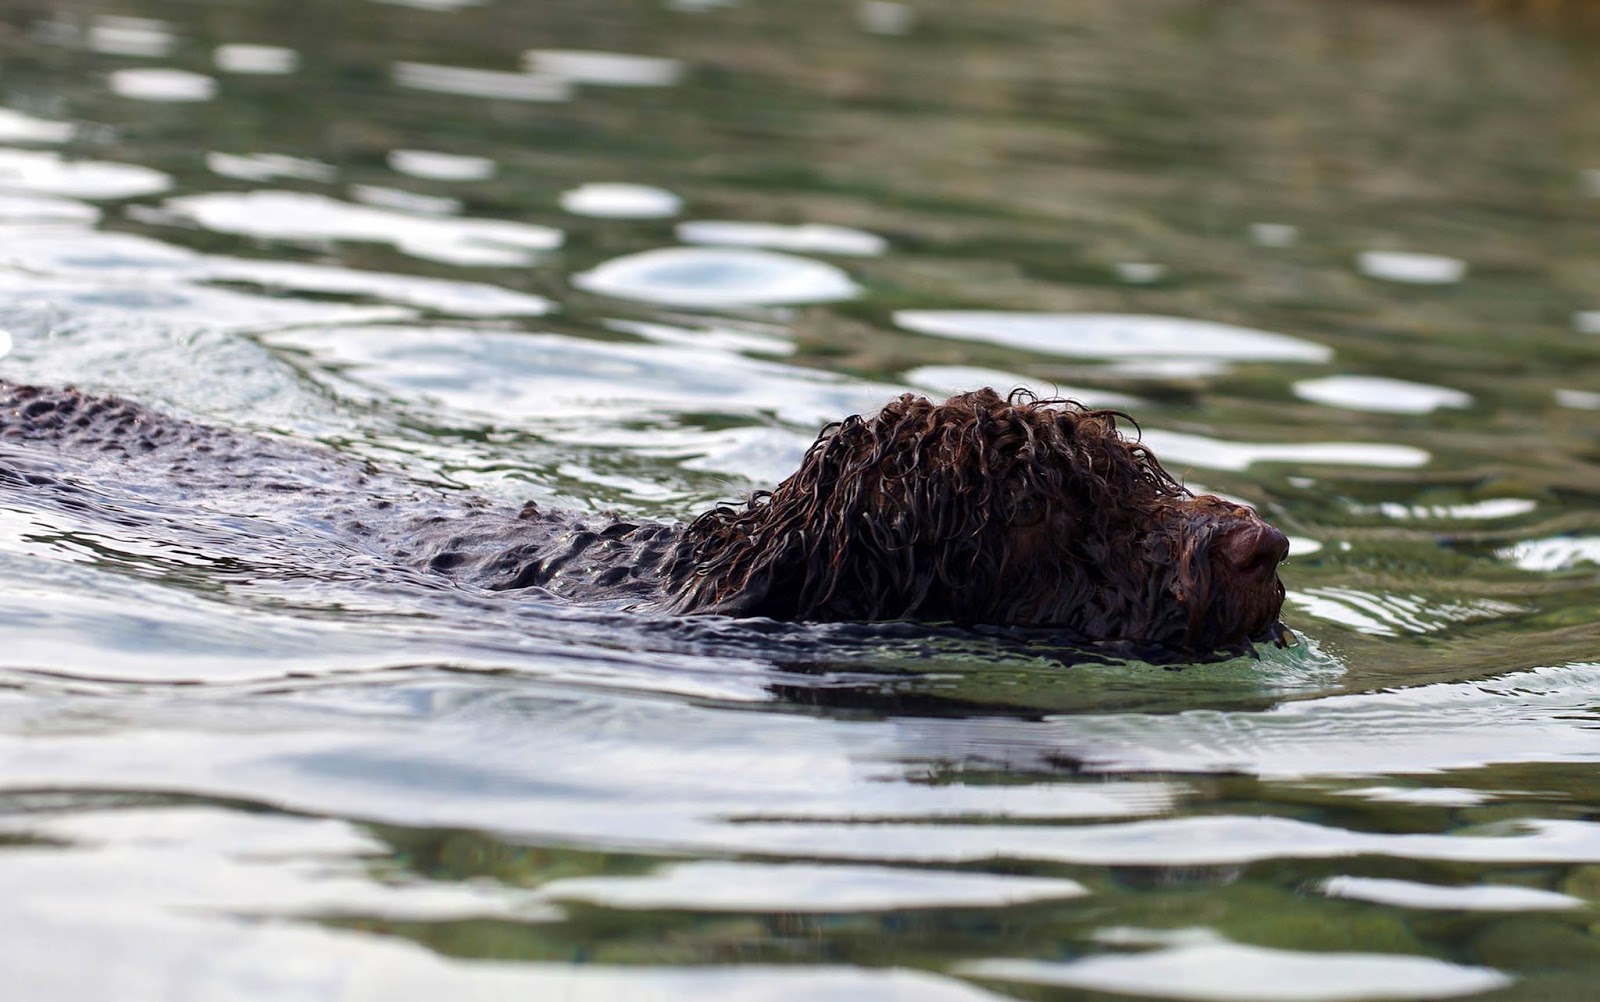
(1139, 272)
(952, 379)
(608, 200)
(1546, 715)
(1167, 368)
(598, 384)
(45, 173)
(717, 279)
(1216, 454)
(256, 60)
(1377, 393)
(471, 82)
(1478, 898)
(1303, 546)
(444, 6)
(40, 209)
(5, 343)
(1427, 796)
(143, 890)
(266, 166)
(178, 309)
(1585, 400)
(287, 215)
(163, 84)
(612, 69)
(885, 17)
(1557, 553)
(1472, 510)
(202, 858)
(808, 238)
(799, 887)
(435, 166)
(1230, 972)
(1411, 268)
(748, 338)
(15, 127)
(405, 201)
(1389, 615)
(1274, 234)
(462, 299)
(1113, 335)
(84, 253)
(129, 36)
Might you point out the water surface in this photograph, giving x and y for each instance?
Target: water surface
(1341, 260)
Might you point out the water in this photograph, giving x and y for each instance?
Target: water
(1340, 259)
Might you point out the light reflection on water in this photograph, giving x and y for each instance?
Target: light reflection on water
(246, 759)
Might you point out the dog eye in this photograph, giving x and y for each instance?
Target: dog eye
(1026, 510)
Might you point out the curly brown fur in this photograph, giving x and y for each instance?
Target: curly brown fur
(990, 510)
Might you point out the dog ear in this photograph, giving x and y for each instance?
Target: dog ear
(816, 547)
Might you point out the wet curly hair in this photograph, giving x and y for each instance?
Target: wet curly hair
(983, 509)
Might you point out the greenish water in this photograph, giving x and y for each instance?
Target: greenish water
(227, 776)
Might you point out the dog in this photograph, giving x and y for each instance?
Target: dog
(983, 510)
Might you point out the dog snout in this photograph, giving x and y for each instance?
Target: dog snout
(1255, 550)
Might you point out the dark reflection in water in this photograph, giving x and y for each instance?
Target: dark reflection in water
(1340, 259)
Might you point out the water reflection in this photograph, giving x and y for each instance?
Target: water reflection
(1409, 894)
(471, 82)
(613, 69)
(948, 380)
(162, 84)
(462, 299)
(754, 887)
(612, 200)
(717, 279)
(436, 166)
(266, 166)
(1183, 448)
(129, 36)
(49, 174)
(1094, 335)
(256, 60)
(39, 209)
(1274, 234)
(1228, 972)
(1379, 393)
(1412, 268)
(15, 127)
(809, 238)
(289, 215)
(1555, 554)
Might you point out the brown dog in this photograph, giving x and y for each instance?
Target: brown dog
(982, 510)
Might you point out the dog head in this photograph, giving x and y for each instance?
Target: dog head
(1006, 511)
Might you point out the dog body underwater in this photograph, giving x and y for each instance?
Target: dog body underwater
(981, 510)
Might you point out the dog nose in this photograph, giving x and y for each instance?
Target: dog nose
(1255, 549)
